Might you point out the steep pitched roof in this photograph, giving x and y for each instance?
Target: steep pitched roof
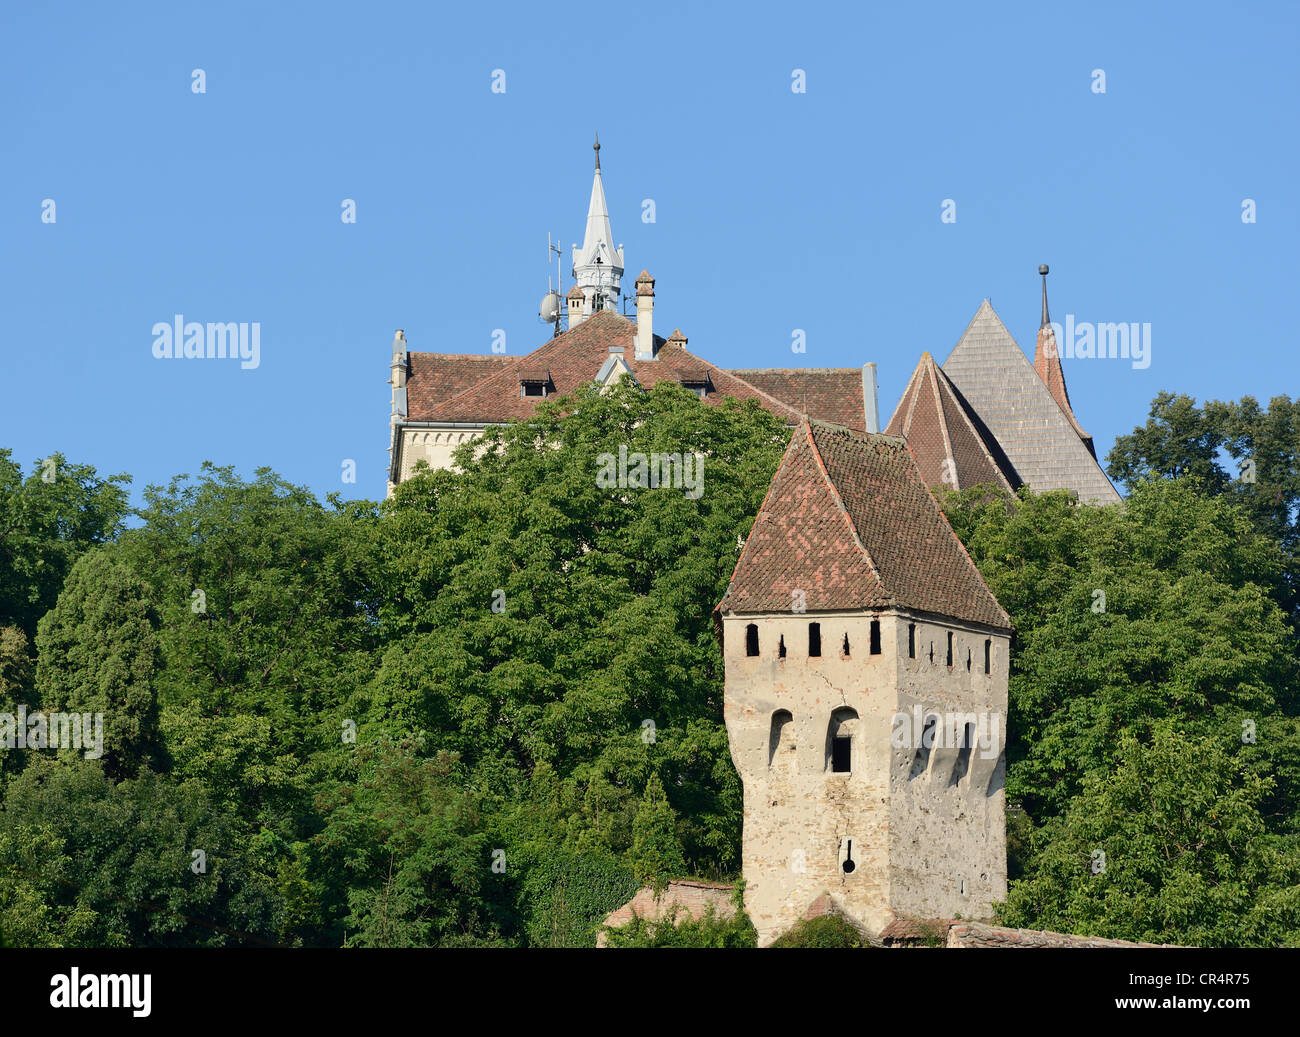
(849, 521)
(994, 378)
(489, 392)
(1047, 365)
(944, 436)
(826, 393)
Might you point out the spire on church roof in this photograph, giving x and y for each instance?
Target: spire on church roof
(1047, 362)
(597, 264)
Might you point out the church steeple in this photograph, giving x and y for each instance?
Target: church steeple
(597, 264)
(1047, 362)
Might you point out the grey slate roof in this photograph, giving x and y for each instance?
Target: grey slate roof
(997, 382)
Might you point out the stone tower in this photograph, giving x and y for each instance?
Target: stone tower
(866, 695)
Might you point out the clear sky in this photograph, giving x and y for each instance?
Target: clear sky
(774, 210)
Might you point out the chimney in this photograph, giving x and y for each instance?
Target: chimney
(645, 306)
(870, 398)
(576, 298)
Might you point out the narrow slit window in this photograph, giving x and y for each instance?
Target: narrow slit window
(751, 639)
(949, 663)
(988, 653)
(846, 644)
(911, 640)
(814, 639)
(968, 659)
(875, 637)
(780, 647)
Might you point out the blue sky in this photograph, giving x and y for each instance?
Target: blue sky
(774, 210)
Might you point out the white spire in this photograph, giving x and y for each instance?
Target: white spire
(597, 264)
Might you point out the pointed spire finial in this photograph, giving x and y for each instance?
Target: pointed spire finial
(1046, 321)
(596, 148)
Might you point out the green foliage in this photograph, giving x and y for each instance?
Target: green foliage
(565, 898)
(826, 931)
(46, 521)
(1146, 626)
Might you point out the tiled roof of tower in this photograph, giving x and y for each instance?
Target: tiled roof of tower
(826, 393)
(994, 378)
(939, 429)
(849, 521)
(1047, 365)
(489, 392)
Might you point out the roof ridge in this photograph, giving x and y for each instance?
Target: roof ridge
(550, 346)
(839, 503)
(960, 404)
(966, 554)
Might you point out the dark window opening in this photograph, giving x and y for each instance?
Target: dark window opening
(931, 653)
(839, 740)
(988, 651)
(963, 754)
(782, 736)
(875, 637)
(814, 639)
(846, 645)
(534, 388)
(848, 864)
(967, 658)
(701, 389)
(780, 648)
(911, 640)
(949, 648)
(751, 639)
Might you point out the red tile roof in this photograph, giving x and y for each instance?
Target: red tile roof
(435, 377)
(443, 387)
(831, 394)
(573, 359)
(938, 427)
(1047, 363)
(849, 521)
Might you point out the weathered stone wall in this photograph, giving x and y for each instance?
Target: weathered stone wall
(912, 842)
(689, 897)
(948, 833)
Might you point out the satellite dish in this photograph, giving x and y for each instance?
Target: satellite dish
(549, 311)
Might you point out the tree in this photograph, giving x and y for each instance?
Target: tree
(46, 521)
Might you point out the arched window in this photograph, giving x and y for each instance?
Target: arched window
(814, 639)
(751, 639)
(781, 740)
(839, 740)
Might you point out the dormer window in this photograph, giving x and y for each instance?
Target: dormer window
(698, 383)
(536, 383)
